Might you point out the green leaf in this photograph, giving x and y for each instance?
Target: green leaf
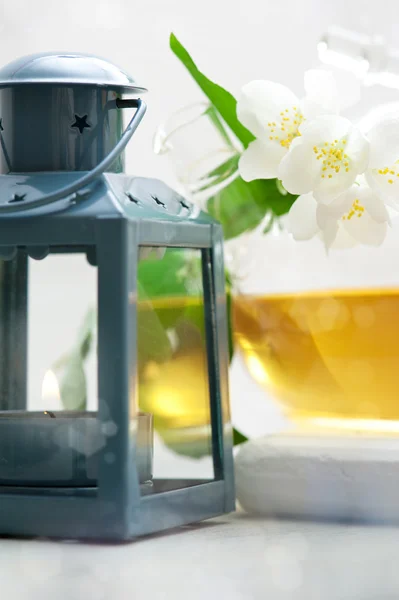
(160, 276)
(72, 382)
(221, 99)
(238, 437)
(225, 169)
(281, 188)
(215, 119)
(165, 286)
(69, 369)
(219, 174)
(276, 202)
(85, 338)
(152, 340)
(242, 205)
(269, 225)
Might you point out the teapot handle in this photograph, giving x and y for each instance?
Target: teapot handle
(98, 170)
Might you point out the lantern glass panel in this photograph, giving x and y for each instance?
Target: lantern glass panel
(173, 382)
(50, 435)
(62, 353)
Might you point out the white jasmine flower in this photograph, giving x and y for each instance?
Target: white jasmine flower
(275, 116)
(383, 172)
(358, 216)
(325, 159)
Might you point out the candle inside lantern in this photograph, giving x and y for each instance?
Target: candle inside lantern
(62, 448)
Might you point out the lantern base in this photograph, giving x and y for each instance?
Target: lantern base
(61, 449)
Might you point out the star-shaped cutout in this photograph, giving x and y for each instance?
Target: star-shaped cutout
(17, 198)
(158, 201)
(184, 204)
(132, 198)
(81, 123)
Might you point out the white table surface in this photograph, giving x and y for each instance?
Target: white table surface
(233, 557)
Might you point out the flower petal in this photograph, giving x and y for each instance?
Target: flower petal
(371, 202)
(299, 169)
(343, 240)
(338, 207)
(261, 102)
(329, 233)
(326, 128)
(358, 149)
(380, 184)
(365, 230)
(301, 219)
(260, 160)
(321, 94)
(328, 217)
(384, 142)
(326, 190)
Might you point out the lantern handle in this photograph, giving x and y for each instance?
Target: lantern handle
(72, 188)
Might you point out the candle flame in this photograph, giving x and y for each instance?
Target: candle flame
(50, 389)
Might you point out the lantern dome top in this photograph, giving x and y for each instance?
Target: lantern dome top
(67, 68)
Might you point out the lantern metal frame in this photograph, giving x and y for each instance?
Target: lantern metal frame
(111, 229)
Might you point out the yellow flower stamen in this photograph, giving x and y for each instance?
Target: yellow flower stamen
(333, 157)
(288, 127)
(391, 170)
(357, 209)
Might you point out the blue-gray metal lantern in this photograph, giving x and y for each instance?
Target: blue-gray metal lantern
(63, 190)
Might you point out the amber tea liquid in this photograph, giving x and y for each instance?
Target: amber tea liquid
(173, 370)
(331, 358)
